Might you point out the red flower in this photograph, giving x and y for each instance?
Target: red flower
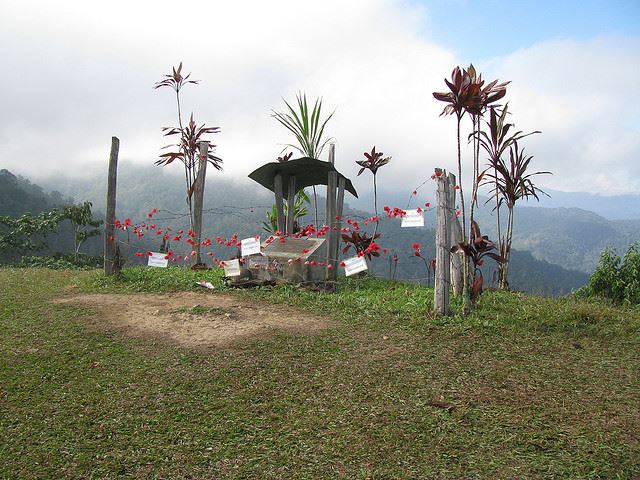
(427, 204)
(149, 253)
(306, 250)
(342, 264)
(416, 246)
(415, 192)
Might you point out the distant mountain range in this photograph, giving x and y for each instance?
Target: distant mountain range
(616, 207)
(554, 248)
(570, 237)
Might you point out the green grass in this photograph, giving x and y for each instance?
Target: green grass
(526, 387)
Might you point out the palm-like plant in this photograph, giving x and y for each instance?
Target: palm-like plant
(486, 95)
(468, 94)
(511, 182)
(374, 160)
(190, 136)
(308, 129)
(495, 142)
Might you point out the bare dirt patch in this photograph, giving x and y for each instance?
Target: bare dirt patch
(192, 319)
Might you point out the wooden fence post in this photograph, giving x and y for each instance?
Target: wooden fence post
(455, 236)
(291, 204)
(277, 188)
(110, 264)
(443, 244)
(330, 219)
(198, 200)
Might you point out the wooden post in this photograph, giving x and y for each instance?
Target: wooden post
(334, 238)
(443, 244)
(277, 187)
(110, 264)
(198, 199)
(332, 153)
(291, 201)
(330, 218)
(455, 236)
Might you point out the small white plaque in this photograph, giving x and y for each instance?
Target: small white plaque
(354, 265)
(250, 246)
(157, 260)
(232, 268)
(413, 218)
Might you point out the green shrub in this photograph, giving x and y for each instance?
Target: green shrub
(615, 278)
(63, 262)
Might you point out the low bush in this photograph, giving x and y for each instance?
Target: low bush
(616, 278)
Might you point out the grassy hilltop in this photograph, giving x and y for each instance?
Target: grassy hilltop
(525, 387)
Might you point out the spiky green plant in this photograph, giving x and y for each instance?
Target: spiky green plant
(308, 128)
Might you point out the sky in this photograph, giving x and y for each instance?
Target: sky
(78, 72)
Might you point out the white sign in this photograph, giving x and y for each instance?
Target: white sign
(157, 260)
(354, 265)
(232, 268)
(413, 218)
(250, 246)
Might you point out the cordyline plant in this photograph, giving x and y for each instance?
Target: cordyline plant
(374, 160)
(468, 95)
(476, 251)
(190, 135)
(511, 182)
(495, 141)
(308, 129)
(363, 244)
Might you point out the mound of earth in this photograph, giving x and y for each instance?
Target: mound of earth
(192, 319)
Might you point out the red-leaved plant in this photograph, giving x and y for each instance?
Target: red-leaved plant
(190, 135)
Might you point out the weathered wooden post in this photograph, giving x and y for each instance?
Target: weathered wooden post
(330, 218)
(198, 199)
(443, 245)
(110, 264)
(333, 216)
(291, 204)
(277, 187)
(455, 236)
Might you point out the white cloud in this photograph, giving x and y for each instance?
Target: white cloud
(582, 96)
(81, 73)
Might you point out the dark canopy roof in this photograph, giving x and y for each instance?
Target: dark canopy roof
(308, 172)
